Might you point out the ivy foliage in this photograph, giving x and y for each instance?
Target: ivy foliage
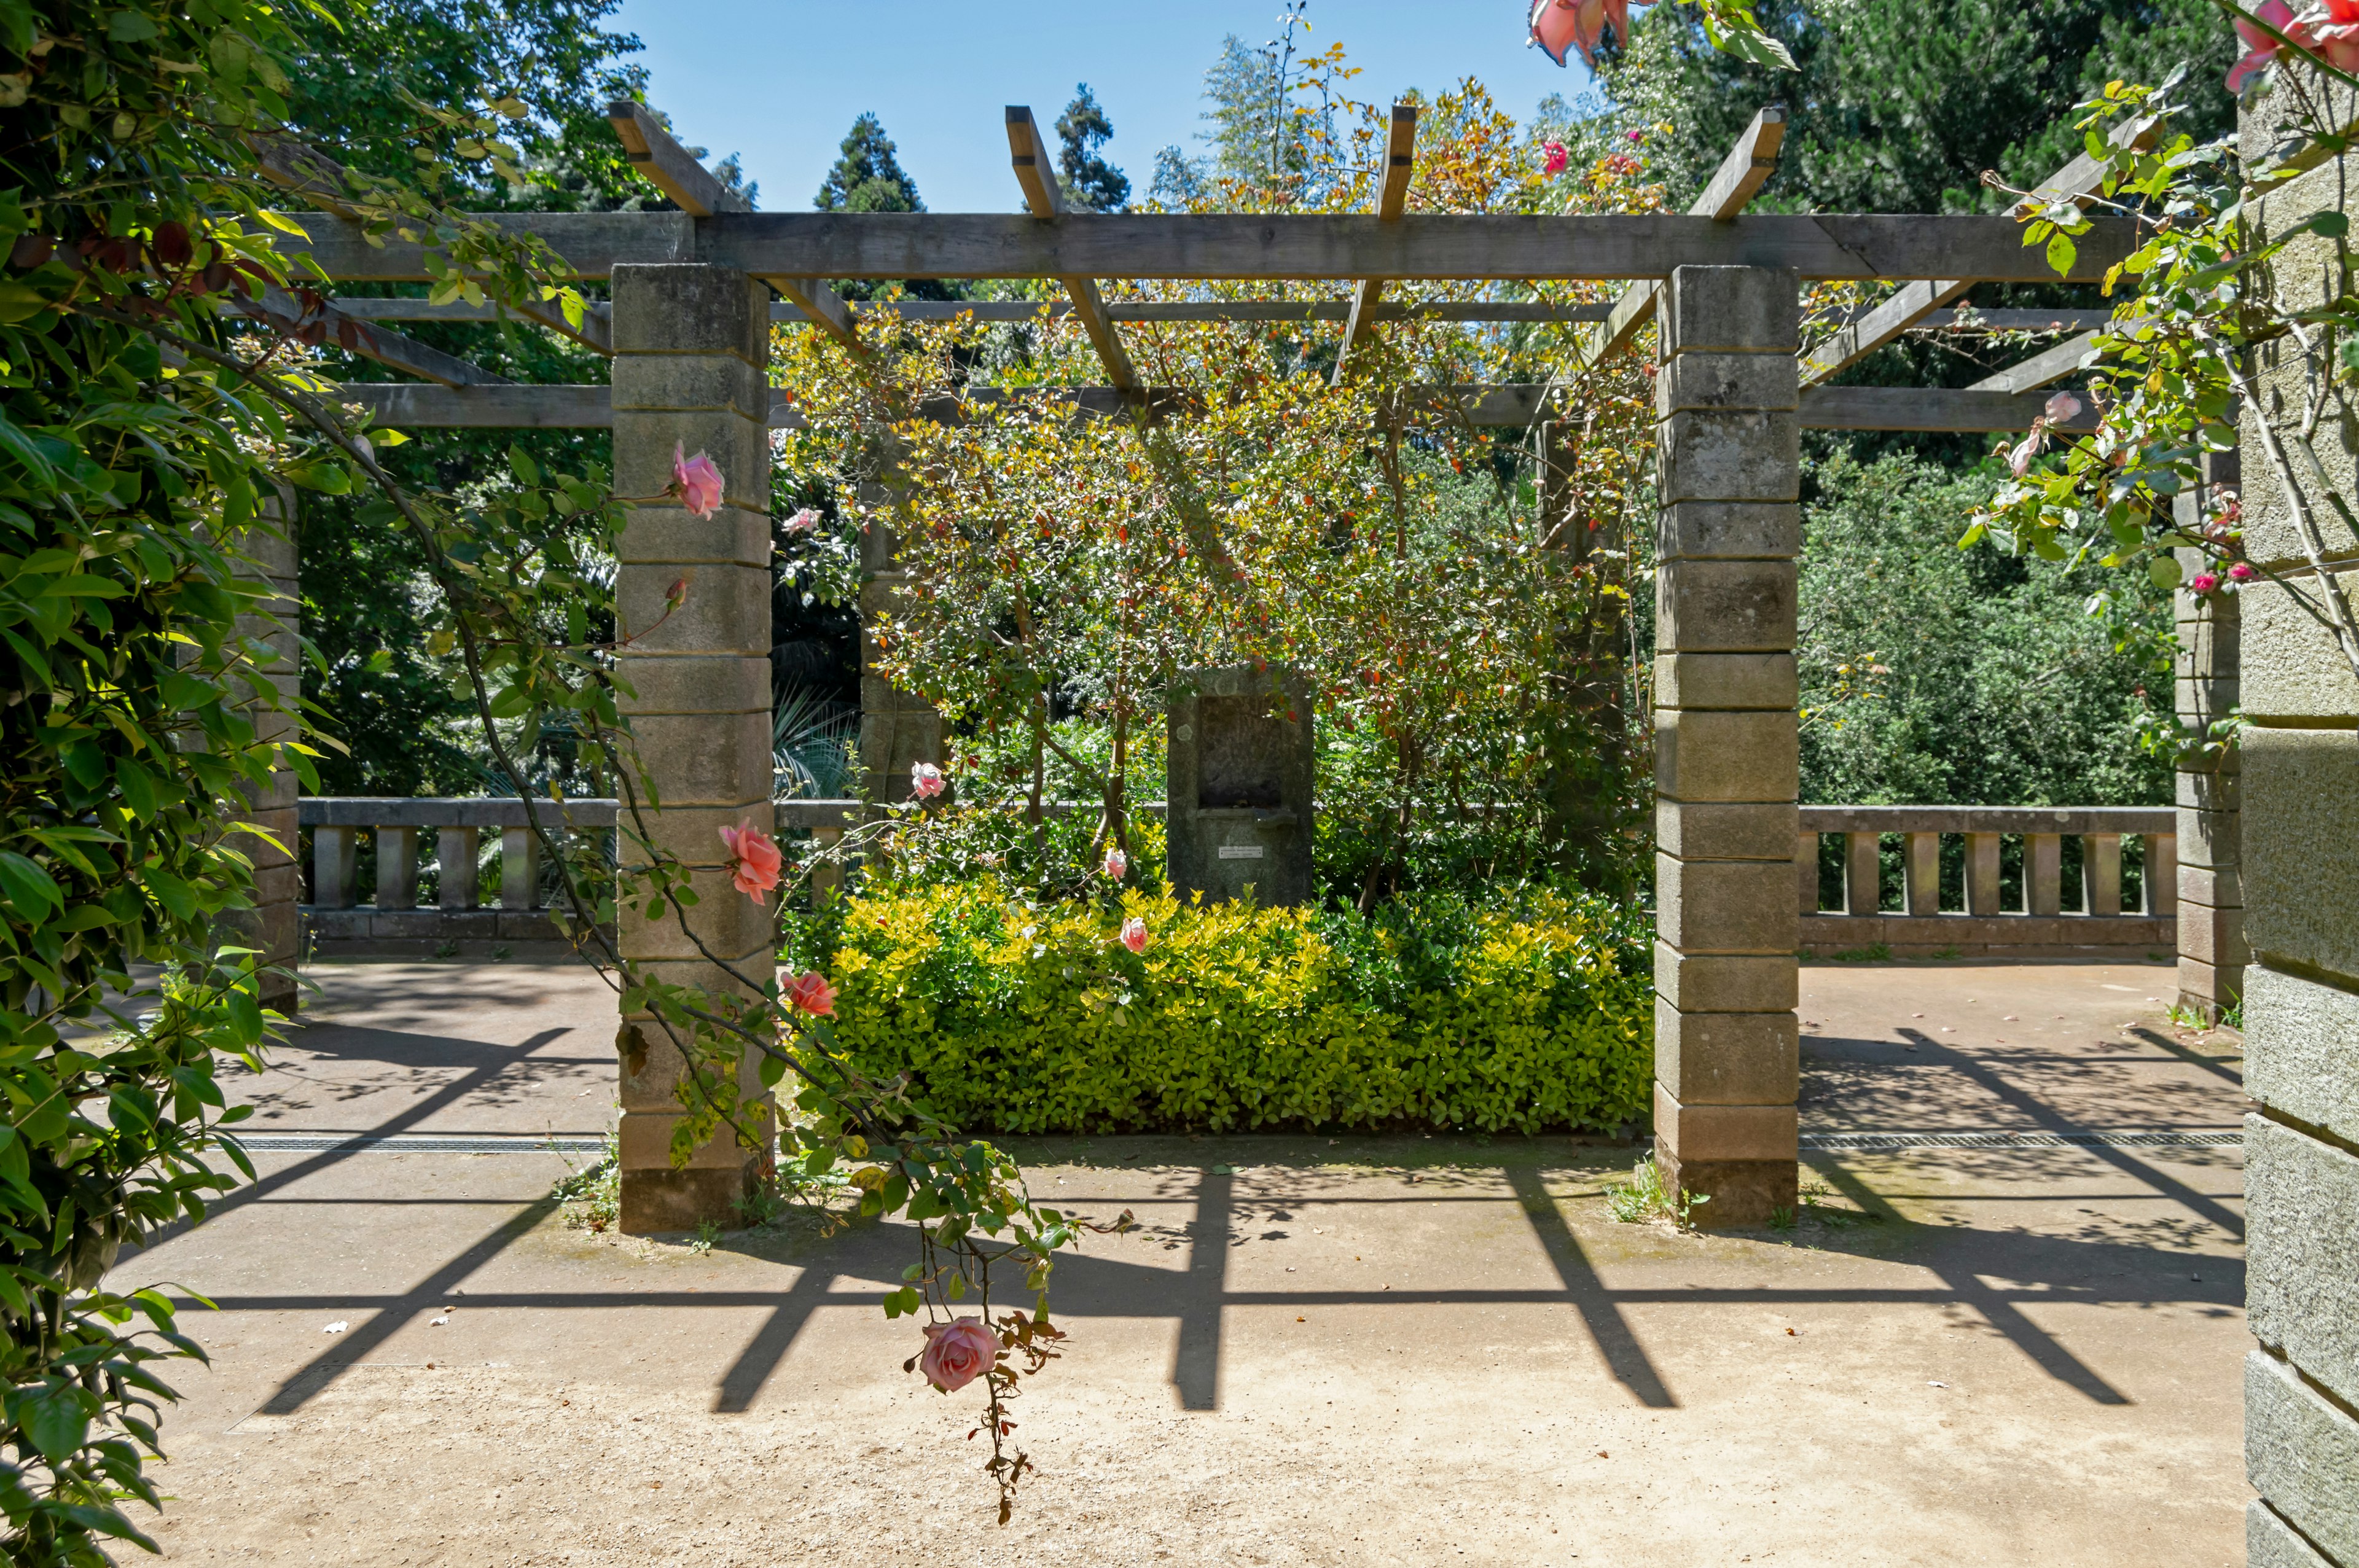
(1029, 1016)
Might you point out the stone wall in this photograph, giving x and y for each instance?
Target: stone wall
(273, 925)
(2300, 798)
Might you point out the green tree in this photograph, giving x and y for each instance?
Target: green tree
(868, 177)
(1935, 674)
(1086, 179)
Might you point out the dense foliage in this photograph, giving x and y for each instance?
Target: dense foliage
(1027, 1016)
(1931, 673)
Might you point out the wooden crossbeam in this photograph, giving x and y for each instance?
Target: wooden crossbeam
(2049, 365)
(1392, 200)
(304, 170)
(287, 315)
(1927, 410)
(657, 155)
(1739, 177)
(1897, 315)
(1601, 247)
(1030, 155)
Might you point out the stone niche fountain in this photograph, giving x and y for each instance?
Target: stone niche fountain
(1241, 763)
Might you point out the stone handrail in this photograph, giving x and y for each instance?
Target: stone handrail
(1921, 927)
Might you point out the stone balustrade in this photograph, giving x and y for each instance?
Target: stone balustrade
(2037, 925)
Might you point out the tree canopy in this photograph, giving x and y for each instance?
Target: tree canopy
(1086, 179)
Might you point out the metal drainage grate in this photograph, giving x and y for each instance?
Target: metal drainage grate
(1832, 1141)
(414, 1143)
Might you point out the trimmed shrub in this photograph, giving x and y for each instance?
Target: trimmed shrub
(1016, 1017)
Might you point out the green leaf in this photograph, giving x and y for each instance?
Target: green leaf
(2061, 252)
(129, 27)
(27, 886)
(2163, 570)
(56, 1421)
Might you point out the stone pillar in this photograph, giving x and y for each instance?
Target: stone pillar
(1727, 1054)
(897, 730)
(455, 853)
(2300, 838)
(2210, 885)
(273, 925)
(691, 350)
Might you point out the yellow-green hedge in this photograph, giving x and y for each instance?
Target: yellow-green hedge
(1021, 1019)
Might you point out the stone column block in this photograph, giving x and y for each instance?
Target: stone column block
(2302, 1454)
(691, 373)
(1921, 866)
(2043, 873)
(2307, 1071)
(2302, 1265)
(335, 867)
(2100, 873)
(1983, 874)
(1730, 853)
(1862, 874)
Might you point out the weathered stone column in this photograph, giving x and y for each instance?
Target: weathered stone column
(273, 926)
(898, 729)
(1727, 1054)
(2210, 884)
(2300, 842)
(691, 348)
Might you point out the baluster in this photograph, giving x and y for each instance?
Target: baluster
(335, 867)
(1922, 873)
(519, 868)
(455, 853)
(1806, 870)
(1982, 874)
(396, 869)
(2161, 875)
(2043, 873)
(1863, 875)
(2100, 873)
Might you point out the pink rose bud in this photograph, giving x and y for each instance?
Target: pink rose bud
(924, 780)
(753, 859)
(698, 482)
(957, 1353)
(1554, 158)
(2063, 407)
(2204, 583)
(2019, 459)
(2242, 572)
(810, 993)
(803, 522)
(1117, 865)
(1638, 135)
(1134, 934)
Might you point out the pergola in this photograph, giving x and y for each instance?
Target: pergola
(695, 293)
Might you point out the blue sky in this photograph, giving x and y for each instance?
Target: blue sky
(779, 81)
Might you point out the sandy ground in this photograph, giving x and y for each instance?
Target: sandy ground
(1314, 1351)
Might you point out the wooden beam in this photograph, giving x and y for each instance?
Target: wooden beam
(2052, 364)
(1844, 247)
(1030, 155)
(289, 315)
(1392, 200)
(660, 157)
(1898, 314)
(1925, 409)
(1215, 311)
(821, 304)
(594, 332)
(1739, 177)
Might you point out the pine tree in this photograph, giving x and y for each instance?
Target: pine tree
(1088, 180)
(868, 177)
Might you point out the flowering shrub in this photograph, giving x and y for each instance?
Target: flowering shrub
(1032, 1019)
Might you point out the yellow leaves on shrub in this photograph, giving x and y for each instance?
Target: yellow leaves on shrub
(1027, 1019)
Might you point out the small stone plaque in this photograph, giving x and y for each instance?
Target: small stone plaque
(1242, 851)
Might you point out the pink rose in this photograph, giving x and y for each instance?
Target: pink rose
(2019, 459)
(753, 859)
(1638, 135)
(1116, 866)
(2335, 27)
(803, 522)
(1134, 934)
(2062, 406)
(810, 993)
(2242, 572)
(2261, 48)
(924, 780)
(1554, 158)
(957, 1353)
(698, 482)
(1559, 25)
(2204, 583)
